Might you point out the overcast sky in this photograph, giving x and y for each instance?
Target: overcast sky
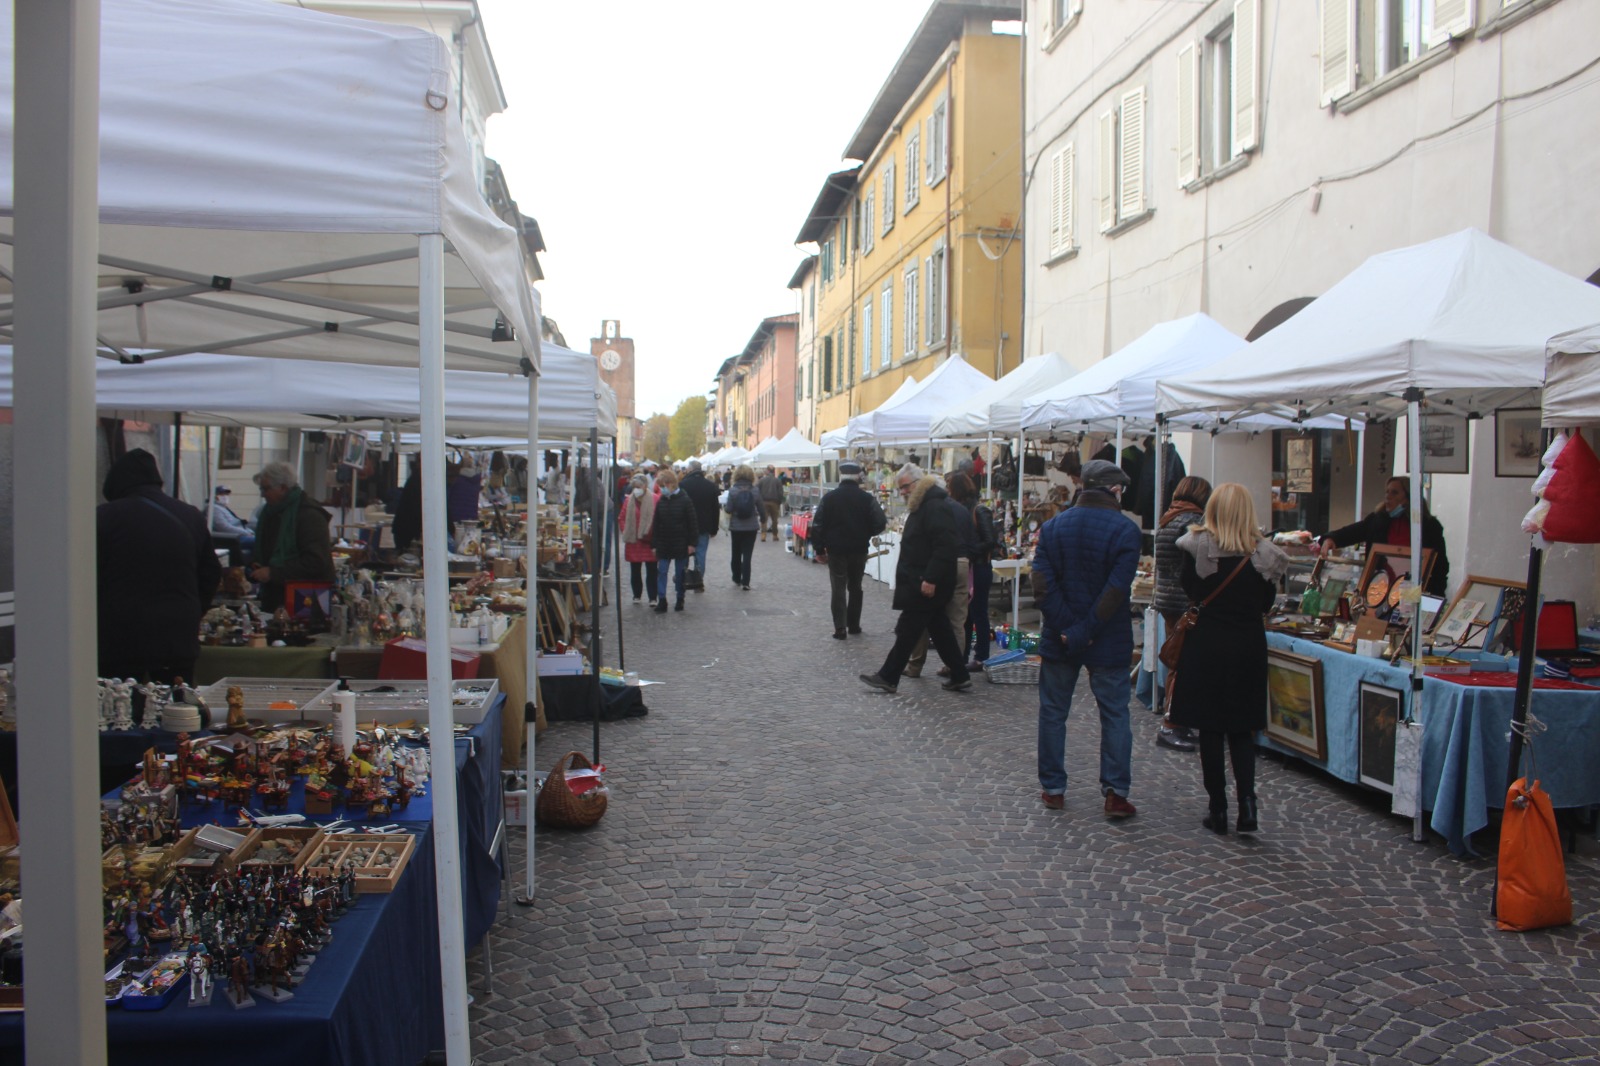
(671, 152)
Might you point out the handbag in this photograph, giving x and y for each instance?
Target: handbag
(1172, 647)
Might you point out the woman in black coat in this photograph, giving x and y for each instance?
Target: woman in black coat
(1221, 685)
(1391, 524)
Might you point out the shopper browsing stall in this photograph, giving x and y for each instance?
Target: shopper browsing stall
(292, 541)
(1189, 500)
(1221, 686)
(1390, 523)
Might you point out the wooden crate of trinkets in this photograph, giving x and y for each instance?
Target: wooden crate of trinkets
(326, 857)
(378, 859)
(278, 846)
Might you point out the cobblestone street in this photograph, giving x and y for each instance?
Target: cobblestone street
(795, 868)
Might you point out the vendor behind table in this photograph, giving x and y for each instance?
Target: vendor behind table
(292, 542)
(1390, 523)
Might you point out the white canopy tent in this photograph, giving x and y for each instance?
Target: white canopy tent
(904, 418)
(792, 449)
(1572, 378)
(335, 143)
(997, 407)
(754, 454)
(1457, 325)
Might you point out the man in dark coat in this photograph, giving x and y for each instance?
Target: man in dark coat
(674, 536)
(924, 581)
(703, 494)
(292, 541)
(1082, 576)
(771, 489)
(842, 528)
(156, 573)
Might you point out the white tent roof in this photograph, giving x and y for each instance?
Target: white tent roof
(1463, 318)
(1572, 378)
(997, 407)
(837, 438)
(792, 449)
(904, 418)
(1122, 385)
(228, 390)
(334, 140)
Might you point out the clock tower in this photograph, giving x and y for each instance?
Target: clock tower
(615, 355)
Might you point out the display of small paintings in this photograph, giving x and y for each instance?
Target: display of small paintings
(1296, 717)
(230, 448)
(1380, 713)
(1518, 442)
(1299, 467)
(1332, 592)
(1457, 624)
(355, 450)
(1444, 445)
(1469, 621)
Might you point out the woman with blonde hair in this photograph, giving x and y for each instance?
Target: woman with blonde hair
(1231, 571)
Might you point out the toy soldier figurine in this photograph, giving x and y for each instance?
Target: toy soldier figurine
(239, 981)
(199, 979)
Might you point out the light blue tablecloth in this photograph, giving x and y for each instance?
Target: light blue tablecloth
(1464, 739)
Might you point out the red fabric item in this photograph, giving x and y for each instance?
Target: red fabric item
(1506, 679)
(1574, 495)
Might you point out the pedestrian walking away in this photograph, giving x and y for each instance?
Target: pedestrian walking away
(744, 522)
(924, 581)
(842, 528)
(1170, 599)
(962, 496)
(771, 489)
(673, 537)
(704, 495)
(1221, 685)
(1082, 577)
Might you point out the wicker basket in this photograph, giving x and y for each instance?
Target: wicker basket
(558, 807)
(1025, 672)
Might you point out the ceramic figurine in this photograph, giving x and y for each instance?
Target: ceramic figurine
(236, 718)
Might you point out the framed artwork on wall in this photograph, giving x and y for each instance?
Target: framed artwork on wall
(1380, 713)
(1518, 442)
(230, 449)
(1296, 717)
(1444, 445)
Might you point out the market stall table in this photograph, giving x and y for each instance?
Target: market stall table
(372, 996)
(218, 661)
(1464, 738)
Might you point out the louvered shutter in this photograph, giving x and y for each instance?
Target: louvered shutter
(1338, 53)
(1188, 116)
(927, 150)
(1061, 200)
(1130, 179)
(1108, 170)
(1246, 73)
(888, 197)
(1451, 18)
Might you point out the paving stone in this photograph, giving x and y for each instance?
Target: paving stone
(794, 868)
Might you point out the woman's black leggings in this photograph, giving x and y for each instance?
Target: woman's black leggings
(1242, 751)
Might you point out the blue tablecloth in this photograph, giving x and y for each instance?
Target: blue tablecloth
(373, 995)
(1464, 739)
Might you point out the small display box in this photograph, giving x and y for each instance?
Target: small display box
(377, 858)
(326, 857)
(278, 847)
(269, 699)
(391, 702)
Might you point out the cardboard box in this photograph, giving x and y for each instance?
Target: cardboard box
(564, 664)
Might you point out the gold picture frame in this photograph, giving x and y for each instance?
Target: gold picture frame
(1492, 593)
(1296, 715)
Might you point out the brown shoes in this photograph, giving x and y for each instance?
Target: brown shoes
(1118, 807)
(1055, 801)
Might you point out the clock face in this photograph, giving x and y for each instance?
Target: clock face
(1378, 588)
(609, 359)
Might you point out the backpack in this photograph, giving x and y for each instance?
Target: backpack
(743, 503)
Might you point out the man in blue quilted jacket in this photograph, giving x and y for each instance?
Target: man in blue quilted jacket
(1082, 575)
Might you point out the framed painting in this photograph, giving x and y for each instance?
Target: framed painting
(1444, 444)
(1296, 717)
(1518, 442)
(1380, 713)
(1299, 464)
(230, 448)
(1479, 602)
(354, 452)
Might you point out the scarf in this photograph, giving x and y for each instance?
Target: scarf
(1178, 507)
(638, 518)
(287, 515)
(1268, 559)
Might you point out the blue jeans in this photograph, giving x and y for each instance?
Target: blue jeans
(700, 552)
(680, 564)
(1111, 689)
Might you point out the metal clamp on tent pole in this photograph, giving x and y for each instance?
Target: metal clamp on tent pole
(502, 331)
(526, 366)
(330, 327)
(221, 284)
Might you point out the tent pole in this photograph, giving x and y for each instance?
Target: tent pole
(530, 625)
(1016, 578)
(1361, 467)
(988, 466)
(436, 602)
(56, 175)
(596, 567)
(615, 536)
(213, 471)
(1151, 615)
(177, 455)
(1413, 398)
(297, 453)
(1118, 459)
(573, 455)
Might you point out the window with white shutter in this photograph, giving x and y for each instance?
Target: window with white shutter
(913, 169)
(1246, 73)
(1131, 157)
(1106, 151)
(1188, 116)
(866, 337)
(1338, 49)
(937, 142)
(909, 325)
(869, 229)
(888, 196)
(934, 267)
(1061, 203)
(1451, 18)
(886, 313)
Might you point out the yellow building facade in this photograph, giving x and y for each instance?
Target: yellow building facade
(920, 248)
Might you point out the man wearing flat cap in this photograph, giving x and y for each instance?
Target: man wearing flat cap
(1082, 576)
(842, 529)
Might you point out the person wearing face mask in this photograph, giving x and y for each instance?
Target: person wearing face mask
(1390, 523)
(675, 536)
(637, 519)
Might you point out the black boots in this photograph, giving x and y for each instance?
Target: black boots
(1247, 815)
(1217, 821)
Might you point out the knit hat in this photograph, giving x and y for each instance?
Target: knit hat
(1099, 474)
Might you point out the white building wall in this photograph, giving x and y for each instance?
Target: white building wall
(1481, 135)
